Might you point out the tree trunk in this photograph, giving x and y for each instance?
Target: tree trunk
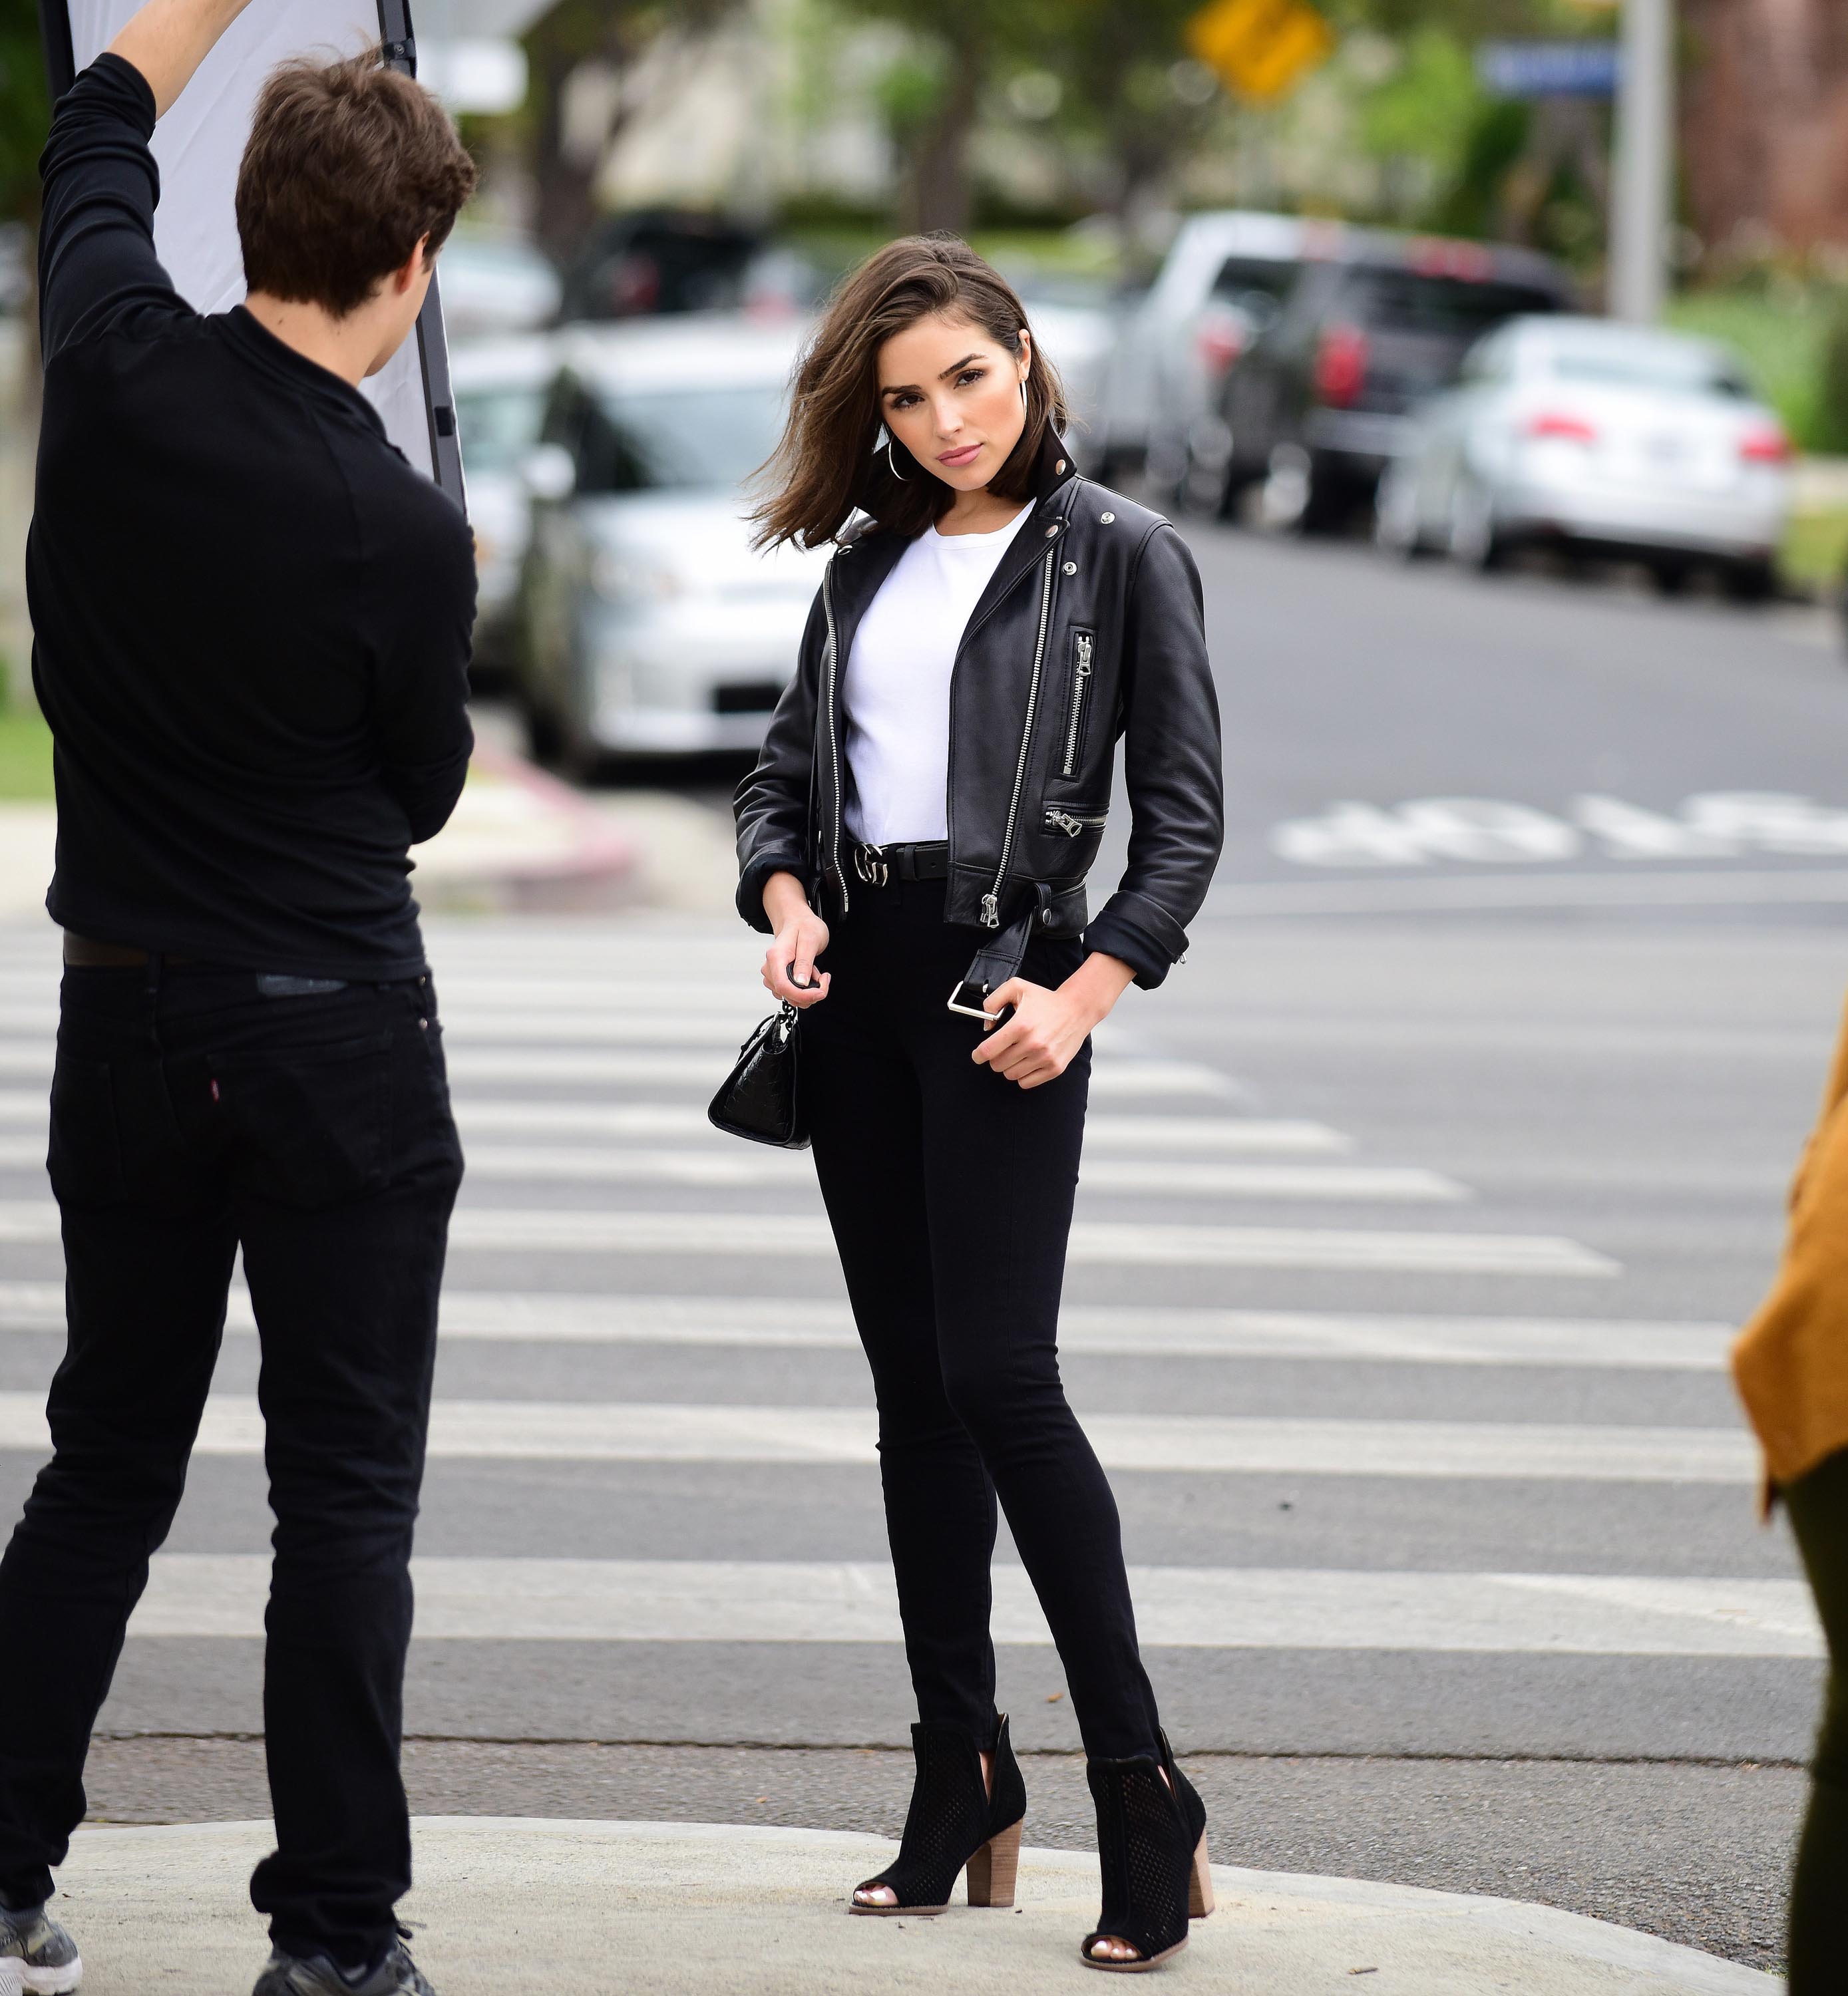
(938, 191)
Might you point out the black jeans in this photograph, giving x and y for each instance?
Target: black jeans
(1818, 1504)
(950, 1192)
(191, 1116)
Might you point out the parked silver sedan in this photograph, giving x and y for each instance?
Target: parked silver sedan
(1580, 432)
(648, 625)
(499, 386)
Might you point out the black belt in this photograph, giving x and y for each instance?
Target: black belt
(877, 865)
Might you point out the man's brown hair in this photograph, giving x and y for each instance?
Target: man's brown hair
(349, 164)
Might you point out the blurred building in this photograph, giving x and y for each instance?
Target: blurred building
(1765, 126)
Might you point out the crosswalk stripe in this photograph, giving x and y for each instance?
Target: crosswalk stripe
(634, 1431)
(1110, 1078)
(739, 1601)
(737, 1164)
(743, 1164)
(1148, 1330)
(1096, 1242)
(1138, 1330)
(1092, 1242)
(1192, 1135)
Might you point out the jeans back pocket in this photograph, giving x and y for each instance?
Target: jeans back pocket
(307, 1125)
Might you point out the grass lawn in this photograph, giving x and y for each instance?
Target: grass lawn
(1816, 549)
(24, 756)
(1779, 337)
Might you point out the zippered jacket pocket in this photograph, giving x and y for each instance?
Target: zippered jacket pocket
(1078, 706)
(1075, 824)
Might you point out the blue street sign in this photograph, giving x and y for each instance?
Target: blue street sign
(1550, 69)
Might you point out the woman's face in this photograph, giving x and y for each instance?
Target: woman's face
(950, 395)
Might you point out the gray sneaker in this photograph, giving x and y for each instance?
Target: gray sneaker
(37, 1957)
(287, 1975)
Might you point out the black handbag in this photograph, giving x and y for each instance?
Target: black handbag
(759, 1098)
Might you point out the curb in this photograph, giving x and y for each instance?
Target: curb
(575, 1909)
(522, 842)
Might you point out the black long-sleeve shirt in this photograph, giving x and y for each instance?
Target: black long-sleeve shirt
(251, 616)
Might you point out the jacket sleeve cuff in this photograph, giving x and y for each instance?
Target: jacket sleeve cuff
(1145, 936)
(752, 881)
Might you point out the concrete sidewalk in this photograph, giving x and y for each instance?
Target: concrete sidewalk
(505, 1906)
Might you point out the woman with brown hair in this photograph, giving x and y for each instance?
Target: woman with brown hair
(934, 784)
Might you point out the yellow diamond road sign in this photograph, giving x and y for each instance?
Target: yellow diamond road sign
(1261, 48)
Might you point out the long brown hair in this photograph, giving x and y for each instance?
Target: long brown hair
(825, 467)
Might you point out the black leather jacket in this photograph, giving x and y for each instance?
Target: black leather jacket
(1090, 629)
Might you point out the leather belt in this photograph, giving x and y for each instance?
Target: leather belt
(81, 953)
(877, 865)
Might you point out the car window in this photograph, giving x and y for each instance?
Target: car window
(1452, 308)
(496, 427)
(1490, 360)
(1648, 364)
(1239, 275)
(682, 439)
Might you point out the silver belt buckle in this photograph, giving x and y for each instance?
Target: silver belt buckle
(968, 1011)
(871, 864)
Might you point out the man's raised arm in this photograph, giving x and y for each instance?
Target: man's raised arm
(168, 39)
(97, 264)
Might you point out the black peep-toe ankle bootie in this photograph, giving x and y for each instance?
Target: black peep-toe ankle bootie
(1151, 1845)
(953, 1822)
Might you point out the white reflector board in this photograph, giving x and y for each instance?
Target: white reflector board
(198, 145)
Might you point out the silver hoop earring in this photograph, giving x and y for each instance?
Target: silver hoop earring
(1023, 391)
(893, 468)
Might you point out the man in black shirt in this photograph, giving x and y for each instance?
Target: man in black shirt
(251, 626)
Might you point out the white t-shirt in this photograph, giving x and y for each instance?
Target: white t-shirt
(896, 688)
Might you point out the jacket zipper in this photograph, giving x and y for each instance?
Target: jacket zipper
(1072, 823)
(991, 901)
(1081, 687)
(833, 750)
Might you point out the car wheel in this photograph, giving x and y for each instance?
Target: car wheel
(1671, 577)
(1395, 529)
(545, 737)
(1474, 538)
(1750, 581)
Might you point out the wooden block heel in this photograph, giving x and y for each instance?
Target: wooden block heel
(994, 1868)
(1199, 1884)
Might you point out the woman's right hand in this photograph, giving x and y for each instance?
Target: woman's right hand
(801, 936)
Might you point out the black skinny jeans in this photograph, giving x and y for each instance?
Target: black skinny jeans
(191, 1115)
(1818, 1504)
(950, 1192)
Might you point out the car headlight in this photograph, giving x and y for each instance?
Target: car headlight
(624, 578)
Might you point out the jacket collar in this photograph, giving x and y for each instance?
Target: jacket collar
(874, 553)
(1052, 470)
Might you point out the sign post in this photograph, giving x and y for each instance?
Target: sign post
(1640, 212)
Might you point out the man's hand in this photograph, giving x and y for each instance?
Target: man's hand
(801, 937)
(1042, 1038)
(168, 39)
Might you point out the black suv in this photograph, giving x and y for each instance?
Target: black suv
(1373, 325)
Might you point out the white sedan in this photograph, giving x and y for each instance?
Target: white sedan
(1581, 433)
(648, 624)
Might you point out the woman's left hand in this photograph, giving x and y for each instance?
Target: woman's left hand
(1049, 1027)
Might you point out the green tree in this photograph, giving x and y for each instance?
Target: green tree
(1129, 81)
(25, 110)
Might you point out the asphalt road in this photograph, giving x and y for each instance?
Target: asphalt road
(1478, 1115)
